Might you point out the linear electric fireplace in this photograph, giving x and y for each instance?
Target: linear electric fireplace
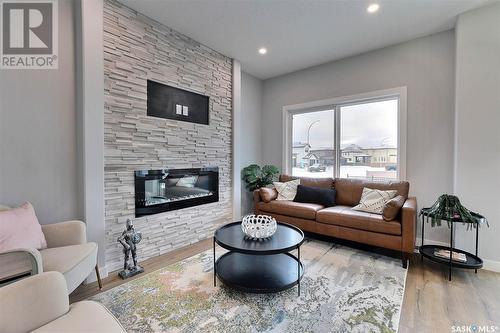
(164, 190)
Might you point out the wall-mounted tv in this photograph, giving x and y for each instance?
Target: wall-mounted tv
(173, 103)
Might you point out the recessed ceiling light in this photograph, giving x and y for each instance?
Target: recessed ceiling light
(262, 50)
(373, 8)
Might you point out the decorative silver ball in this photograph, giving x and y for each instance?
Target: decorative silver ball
(258, 226)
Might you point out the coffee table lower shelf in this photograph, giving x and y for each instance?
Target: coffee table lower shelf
(259, 273)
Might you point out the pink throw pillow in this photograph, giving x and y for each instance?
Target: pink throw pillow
(19, 228)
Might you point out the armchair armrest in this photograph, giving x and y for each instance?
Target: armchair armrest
(256, 200)
(65, 233)
(17, 262)
(33, 302)
(409, 224)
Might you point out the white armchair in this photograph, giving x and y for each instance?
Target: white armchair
(40, 304)
(67, 252)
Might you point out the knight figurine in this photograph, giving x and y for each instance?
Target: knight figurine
(129, 240)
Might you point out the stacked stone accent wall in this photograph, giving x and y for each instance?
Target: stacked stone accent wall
(137, 48)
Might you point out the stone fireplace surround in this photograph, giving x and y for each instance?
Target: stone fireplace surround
(136, 49)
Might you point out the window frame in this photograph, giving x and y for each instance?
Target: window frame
(335, 104)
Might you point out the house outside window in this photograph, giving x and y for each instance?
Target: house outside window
(348, 138)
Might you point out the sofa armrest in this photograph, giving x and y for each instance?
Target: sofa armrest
(256, 200)
(409, 224)
(65, 233)
(18, 262)
(33, 302)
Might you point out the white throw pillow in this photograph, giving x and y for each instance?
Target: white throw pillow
(187, 181)
(288, 190)
(373, 201)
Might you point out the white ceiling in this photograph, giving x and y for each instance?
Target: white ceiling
(301, 33)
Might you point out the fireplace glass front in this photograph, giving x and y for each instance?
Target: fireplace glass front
(164, 190)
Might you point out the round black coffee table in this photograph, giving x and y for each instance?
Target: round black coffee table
(259, 266)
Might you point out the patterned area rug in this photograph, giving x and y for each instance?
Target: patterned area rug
(343, 290)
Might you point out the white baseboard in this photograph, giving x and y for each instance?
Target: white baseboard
(418, 242)
(103, 272)
(489, 265)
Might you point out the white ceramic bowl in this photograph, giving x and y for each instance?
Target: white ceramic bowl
(258, 226)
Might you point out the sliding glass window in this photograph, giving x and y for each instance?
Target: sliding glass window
(369, 140)
(313, 147)
(350, 140)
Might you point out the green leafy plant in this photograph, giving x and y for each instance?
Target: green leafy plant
(257, 177)
(448, 208)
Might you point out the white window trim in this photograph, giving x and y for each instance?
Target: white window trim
(336, 102)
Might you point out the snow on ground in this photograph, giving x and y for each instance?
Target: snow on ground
(348, 171)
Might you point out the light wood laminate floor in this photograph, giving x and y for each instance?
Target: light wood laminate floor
(431, 303)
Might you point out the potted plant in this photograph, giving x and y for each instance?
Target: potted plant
(257, 177)
(448, 208)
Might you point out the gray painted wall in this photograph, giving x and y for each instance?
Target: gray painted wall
(38, 133)
(250, 131)
(477, 177)
(425, 65)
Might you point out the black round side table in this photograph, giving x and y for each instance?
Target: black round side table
(259, 266)
(428, 251)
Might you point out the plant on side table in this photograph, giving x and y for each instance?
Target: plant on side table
(448, 208)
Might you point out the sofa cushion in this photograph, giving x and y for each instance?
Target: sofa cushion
(75, 262)
(84, 316)
(302, 224)
(32, 302)
(290, 208)
(313, 182)
(349, 190)
(347, 217)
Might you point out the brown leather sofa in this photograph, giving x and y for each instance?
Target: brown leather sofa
(341, 221)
